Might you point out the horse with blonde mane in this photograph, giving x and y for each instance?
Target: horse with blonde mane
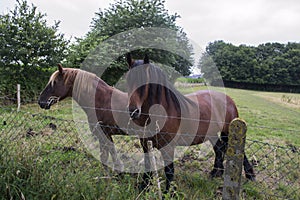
(94, 96)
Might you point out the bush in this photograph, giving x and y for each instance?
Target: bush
(190, 80)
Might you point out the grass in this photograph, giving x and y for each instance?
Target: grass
(39, 161)
(269, 118)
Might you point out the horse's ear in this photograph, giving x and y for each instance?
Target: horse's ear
(146, 59)
(60, 68)
(129, 60)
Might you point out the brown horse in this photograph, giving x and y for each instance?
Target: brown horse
(188, 120)
(94, 96)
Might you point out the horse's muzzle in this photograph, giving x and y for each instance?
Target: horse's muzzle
(47, 104)
(44, 105)
(134, 112)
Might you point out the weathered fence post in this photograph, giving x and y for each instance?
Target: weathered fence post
(234, 157)
(18, 97)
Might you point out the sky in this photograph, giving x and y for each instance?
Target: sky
(249, 22)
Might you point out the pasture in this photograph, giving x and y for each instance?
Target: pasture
(42, 156)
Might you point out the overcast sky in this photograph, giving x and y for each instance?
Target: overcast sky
(250, 22)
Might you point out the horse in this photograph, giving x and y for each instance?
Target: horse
(189, 119)
(82, 86)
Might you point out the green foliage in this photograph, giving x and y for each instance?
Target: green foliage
(190, 80)
(129, 14)
(271, 63)
(81, 48)
(124, 16)
(29, 48)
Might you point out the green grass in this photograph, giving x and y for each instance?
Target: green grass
(37, 162)
(269, 120)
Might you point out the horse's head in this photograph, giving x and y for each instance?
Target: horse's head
(137, 89)
(58, 88)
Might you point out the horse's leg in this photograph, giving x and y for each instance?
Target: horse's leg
(168, 156)
(104, 153)
(118, 164)
(97, 133)
(104, 150)
(224, 138)
(219, 148)
(107, 146)
(248, 168)
(220, 151)
(148, 173)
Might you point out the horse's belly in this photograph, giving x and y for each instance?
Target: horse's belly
(189, 139)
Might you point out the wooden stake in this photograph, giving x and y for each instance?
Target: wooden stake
(18, 97)
(235, 158)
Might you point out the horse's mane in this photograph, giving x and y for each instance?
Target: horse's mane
(69, 75)
(156, 75)
(83, 82)
(80, 79)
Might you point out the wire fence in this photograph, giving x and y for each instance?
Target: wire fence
(29, 139)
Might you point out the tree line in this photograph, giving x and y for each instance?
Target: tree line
(30, 49)
(269, 63)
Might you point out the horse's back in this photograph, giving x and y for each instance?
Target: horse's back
(212, 98)
(217, 110)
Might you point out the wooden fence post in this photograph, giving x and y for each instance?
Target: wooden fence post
(18, 97)
(234, 159)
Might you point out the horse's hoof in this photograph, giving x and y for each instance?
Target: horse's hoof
(216, 173)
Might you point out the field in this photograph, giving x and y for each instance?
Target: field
(44, 158)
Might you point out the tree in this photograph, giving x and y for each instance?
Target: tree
(270, 63)
(125, 15)
(29, 48)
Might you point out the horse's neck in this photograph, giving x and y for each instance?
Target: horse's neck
(89, 98)
(186, 105)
